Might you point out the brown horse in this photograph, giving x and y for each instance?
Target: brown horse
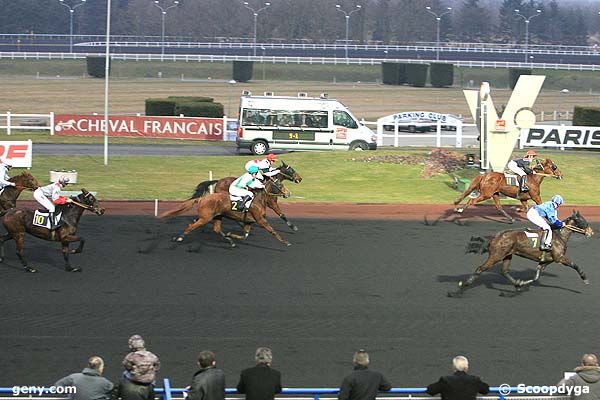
(19, 221)
(286, 172)
(507, 243)
(215, 206)
(10, 194)
(492, 184)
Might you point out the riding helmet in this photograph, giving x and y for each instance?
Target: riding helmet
(271, 157)
(531, 153)
(64, 180)
(558, 199)
(253, 169)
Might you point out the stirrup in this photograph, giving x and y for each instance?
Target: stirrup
(546, 247)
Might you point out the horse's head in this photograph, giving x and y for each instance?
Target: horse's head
(89, 201)
(273, 187)
(25, 180)
(289, 173)
(548, 167)
(578, 221)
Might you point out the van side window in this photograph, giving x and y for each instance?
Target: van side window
(342, 118)
(255, 117)
(315, 119)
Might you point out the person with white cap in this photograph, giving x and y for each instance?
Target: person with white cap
(49, 196)
(4, 177)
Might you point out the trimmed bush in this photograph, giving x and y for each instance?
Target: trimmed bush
(187, 99)
(200, 109)
(389, 73)
(515, 73)
(441, 75)
(242, 70)
(95, 66)
(586, 116)
(416, 74)
(165, 107)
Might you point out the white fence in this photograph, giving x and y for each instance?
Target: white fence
(28, 122)
(438, 139)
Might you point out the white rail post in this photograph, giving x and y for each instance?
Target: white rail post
(438, 134)
(459, 134)
(52, 123)
(8, 122)
(156, 207)
(396, 129)
(210, 178)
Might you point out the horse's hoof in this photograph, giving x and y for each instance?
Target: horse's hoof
(1, 259)
(72, 269)
(29, 269)
(294, 228)
(510, 221)
(288, 244)
(459, 210)
(178, 239)
(232, 245)
(586, 281)
(454, 295)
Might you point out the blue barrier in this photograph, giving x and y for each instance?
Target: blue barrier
(167, 391)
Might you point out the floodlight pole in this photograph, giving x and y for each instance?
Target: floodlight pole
(527, 20)
(255, 13)
(438, 18)
(106, 74)
(347, 16)
(164, 14)
(71, 12)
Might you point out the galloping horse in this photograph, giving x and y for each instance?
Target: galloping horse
(507, 243)
(492, 184)
(10, 194)
(215, 206)
(222, 185)
(18, 221)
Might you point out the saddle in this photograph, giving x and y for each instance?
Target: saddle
(41, 218)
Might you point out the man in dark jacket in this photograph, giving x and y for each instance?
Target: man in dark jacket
(260, 382)
(362, 383)
(127, 390)
(209, 382)
(586, 375)
(89, 384)
(461, 385)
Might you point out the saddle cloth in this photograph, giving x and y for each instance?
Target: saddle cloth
(533, 237)
(40, 218)
(237, 203)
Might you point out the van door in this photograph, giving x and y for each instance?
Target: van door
(345, 128)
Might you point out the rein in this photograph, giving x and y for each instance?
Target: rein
(575, 229)
(273, 194)
(84, 206)
(544, 174)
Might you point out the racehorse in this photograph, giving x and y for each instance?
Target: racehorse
(10, 194)
(222, 185)
(215, 206)
(492, 184)
(18, 221)
(507, 243)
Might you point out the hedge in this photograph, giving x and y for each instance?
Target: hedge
(393, 73)
(185, 99)
(200, 109)
(515, 73)
(96, 66)
(160, 107)
(242, 70)
(441, 75)
(586, 116)
(416, 74)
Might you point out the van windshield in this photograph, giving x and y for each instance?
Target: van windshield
(342, 118)
(287, 118)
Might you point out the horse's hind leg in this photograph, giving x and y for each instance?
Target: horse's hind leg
(246, 229)
(496, 199)
(20, 241)
(66, 251)
(201, 221)
(4, 238)
(217, 225)
(464, 285)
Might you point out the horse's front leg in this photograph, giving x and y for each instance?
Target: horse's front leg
(65, 241)
(538, 272)
(496, 199)
(274, 205)
(565, 261)
(261, 220)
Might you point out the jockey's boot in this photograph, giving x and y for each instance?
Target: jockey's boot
(543, 245)
(523, 184)
(247, 203)
(53, 225)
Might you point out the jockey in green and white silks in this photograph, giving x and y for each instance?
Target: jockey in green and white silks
(239, 188)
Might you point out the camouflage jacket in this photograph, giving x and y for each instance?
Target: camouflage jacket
(141, 366)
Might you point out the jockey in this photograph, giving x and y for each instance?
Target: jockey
(520, 166)
(239, 187)
(4, 178)
(544, 213)
(265, 166)
(49, 195)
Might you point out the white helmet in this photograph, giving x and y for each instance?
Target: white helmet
(64, 180)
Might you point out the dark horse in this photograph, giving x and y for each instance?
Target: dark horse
(10, 194)
(507, 243)
(18, 221)
(492, 184)
(222, 185)
(215, 206)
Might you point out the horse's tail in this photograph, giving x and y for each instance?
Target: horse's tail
(184, 206)
(478, 244)
(472, 186)
(202, 189)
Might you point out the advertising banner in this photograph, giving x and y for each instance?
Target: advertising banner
(561, 136)
(142, 126)
(17, 154)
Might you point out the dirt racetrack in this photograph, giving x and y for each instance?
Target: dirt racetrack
(343, 285)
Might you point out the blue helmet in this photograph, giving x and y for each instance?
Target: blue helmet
(253, 169)
(558, 199)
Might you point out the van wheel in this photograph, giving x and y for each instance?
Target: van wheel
(359, 146)
(259, 147)
(412, 129)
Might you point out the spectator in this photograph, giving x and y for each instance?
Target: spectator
(461, 385)
(140, 364)
(89, 384)
(362, 383)
(260, 382)
(209, 382)
(587, 374)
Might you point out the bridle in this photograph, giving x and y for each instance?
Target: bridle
(278, 185)
(82, 205)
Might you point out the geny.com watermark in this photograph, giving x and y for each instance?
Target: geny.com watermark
(505, 389)
(40, 390)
